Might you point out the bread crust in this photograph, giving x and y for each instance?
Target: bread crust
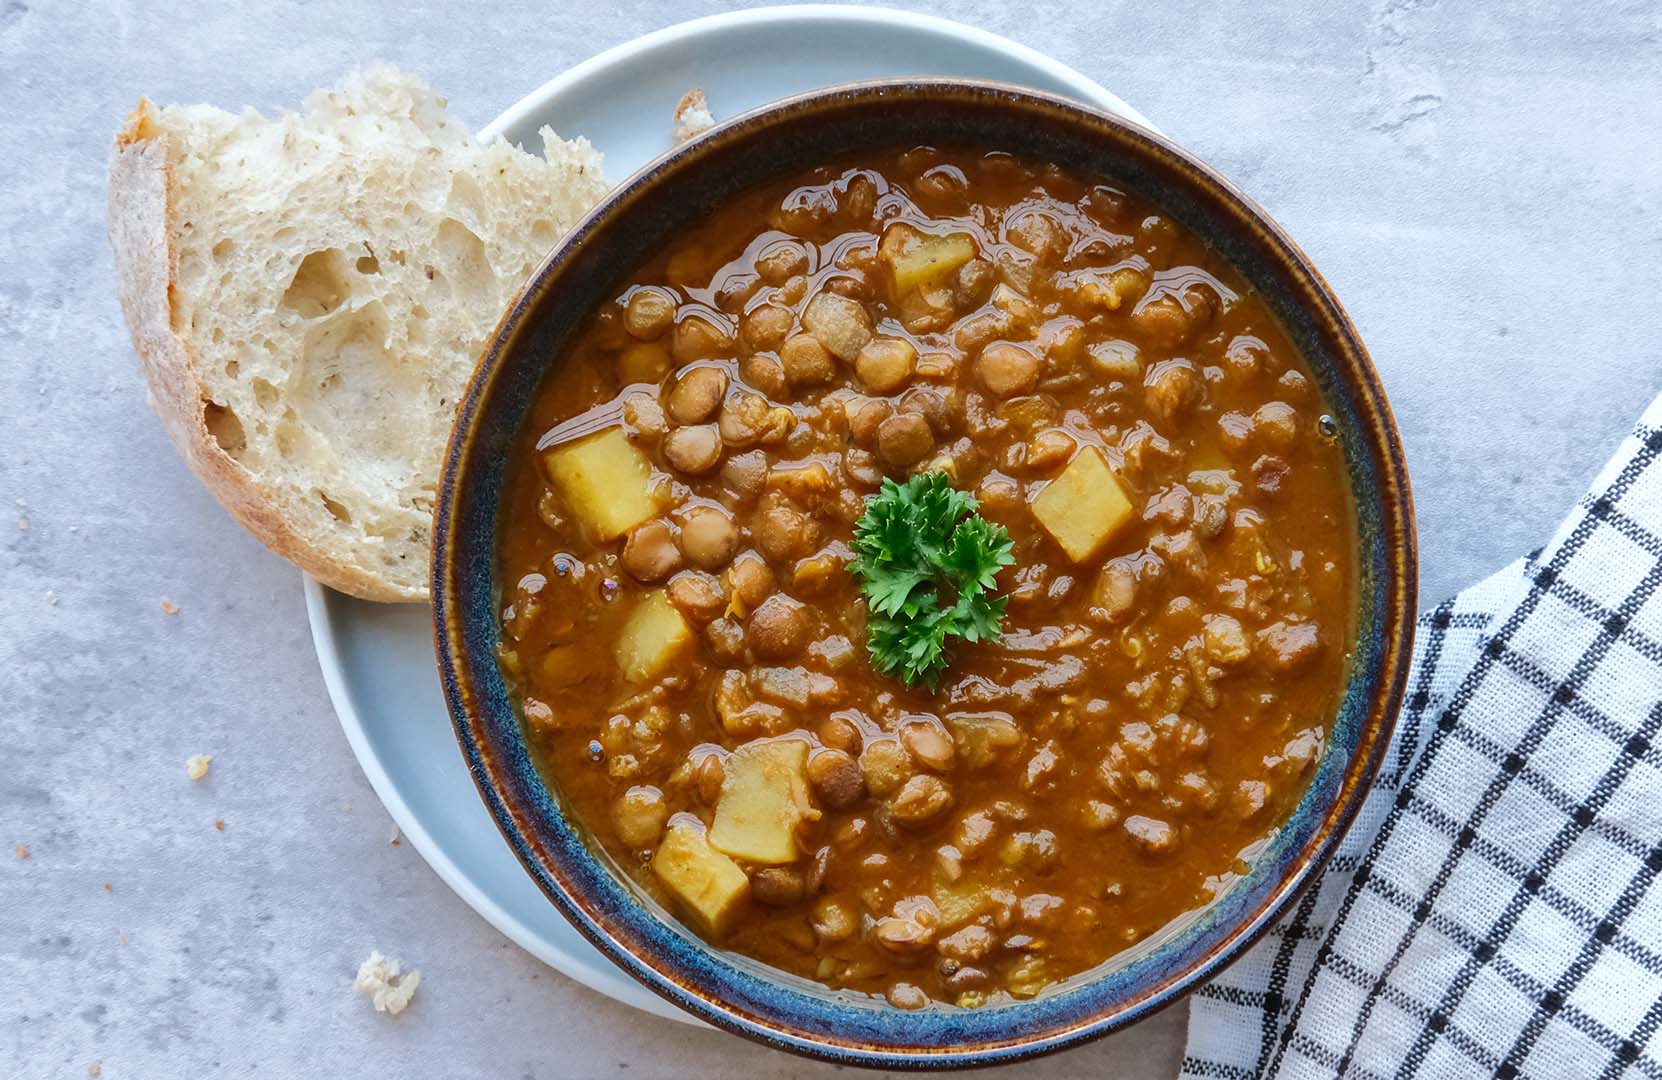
(142, 229)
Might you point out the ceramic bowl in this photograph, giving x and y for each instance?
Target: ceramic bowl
(651, 207)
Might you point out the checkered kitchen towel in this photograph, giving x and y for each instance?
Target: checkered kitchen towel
(1495, 909)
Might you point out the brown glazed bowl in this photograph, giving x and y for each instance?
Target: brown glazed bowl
(737, 993)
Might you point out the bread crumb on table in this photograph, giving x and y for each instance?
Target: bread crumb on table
(389, 990)
(196, 766)
(95, 1069)
(169, 607)
(220, 825)
(22, 852)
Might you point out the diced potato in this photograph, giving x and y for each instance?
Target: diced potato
(606, 482)
(1084, 506)
(921, 261)
(961, 902)
(708, 884)
(654, 634)
(763, 799)
(643, 362)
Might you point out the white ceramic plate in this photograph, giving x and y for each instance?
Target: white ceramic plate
(377, 659)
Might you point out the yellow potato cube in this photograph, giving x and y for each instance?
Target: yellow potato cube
(763, 799)
(654, 635)
(606, 482)
(1084, 506)
(930, 260)
(707, 884)
(916, 260)
(643, 362)
(959, 903)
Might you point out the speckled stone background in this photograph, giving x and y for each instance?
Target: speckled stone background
(1482, 184)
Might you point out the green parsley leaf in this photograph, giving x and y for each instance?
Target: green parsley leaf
(927, 564)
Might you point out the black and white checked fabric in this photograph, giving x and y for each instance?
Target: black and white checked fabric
(1494, 910)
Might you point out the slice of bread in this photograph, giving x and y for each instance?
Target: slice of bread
(309, 294)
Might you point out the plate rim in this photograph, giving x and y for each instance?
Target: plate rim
(600, 974)
(1079, 84)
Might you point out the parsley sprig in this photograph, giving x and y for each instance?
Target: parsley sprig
(927, 564)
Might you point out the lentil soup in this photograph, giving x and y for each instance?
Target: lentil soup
(690, 648)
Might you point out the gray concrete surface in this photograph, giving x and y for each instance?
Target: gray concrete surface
(1482, 185)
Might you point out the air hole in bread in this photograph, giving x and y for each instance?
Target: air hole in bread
(190, 269)
(289, 437)
(224, 249)
(336, 510)
(320, 284)
(265, 395)
(464, 263)
(367, 263)
(543, 232)
(355, 343)
(232, 367)
(225, 427)
(465, 196)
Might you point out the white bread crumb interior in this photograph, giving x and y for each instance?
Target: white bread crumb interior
(389, 990)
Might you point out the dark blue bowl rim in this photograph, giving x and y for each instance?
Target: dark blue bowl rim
(765, 1005)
